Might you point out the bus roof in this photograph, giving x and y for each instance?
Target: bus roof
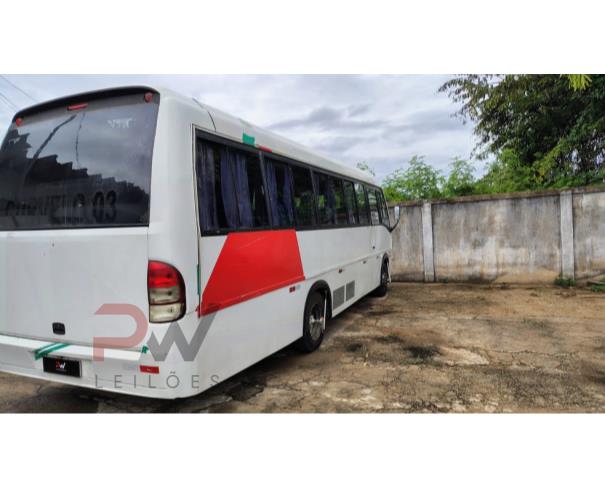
(238, 129)
(227, 126)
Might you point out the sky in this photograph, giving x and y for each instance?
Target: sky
(383, 120)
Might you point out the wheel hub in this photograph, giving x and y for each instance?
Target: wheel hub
(316, 321)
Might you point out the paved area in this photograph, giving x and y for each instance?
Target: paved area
(424, 348)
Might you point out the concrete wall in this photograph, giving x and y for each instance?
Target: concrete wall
(408, 262)
(526, 237)
(589, 233)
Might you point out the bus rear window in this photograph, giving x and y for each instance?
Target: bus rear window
(88, 166)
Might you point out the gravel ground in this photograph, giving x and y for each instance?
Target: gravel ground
(424, 348)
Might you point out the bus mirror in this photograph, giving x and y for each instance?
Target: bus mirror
(397, 215)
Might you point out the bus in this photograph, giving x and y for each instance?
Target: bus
(155, 246)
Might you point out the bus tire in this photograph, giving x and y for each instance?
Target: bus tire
(382, 290)
(313, 324)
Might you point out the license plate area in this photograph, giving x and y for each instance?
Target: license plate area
(59, 366)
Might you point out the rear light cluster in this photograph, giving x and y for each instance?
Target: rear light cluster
(166, 293)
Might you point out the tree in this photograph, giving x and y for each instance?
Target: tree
(461, 180)
(550, 128)
(418, 181)
(505, 175)
(579, 82)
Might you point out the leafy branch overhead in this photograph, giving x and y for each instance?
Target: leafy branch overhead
(544, 130)
(578, 82)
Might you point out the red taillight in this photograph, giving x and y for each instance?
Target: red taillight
(162, 275)
(166, 292)
(79, 106)
(19, 122)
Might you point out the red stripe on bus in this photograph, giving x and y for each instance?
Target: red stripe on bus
(251, 264)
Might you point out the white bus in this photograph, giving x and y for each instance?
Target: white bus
(155, 246)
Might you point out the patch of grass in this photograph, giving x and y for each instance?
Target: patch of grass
(598, 288)
(565, 282)
(355, 347)
(390, 338)
(422, 353)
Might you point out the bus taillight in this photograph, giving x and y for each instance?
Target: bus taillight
(166, 293)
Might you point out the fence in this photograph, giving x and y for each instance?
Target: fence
(520, 238)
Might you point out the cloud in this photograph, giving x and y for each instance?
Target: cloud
(326, 118)
(355, 110)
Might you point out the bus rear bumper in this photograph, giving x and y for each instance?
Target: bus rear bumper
(122, 371)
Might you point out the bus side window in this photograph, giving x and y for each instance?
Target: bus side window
(250, 189)
(279, 187)
(326, 201)
(362, 204)
(304, 207)
(230, 188)
(351, 203)
(374, 213)
(339, 200)
(384, 211)
(216, 188)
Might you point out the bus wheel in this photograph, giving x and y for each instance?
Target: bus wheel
(314, 323)
(382, 290)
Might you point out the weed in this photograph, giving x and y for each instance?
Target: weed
(598, 287)
(565, 282)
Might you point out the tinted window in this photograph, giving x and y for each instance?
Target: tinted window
(250, 190)
(374, 213)
(350, 203)
(384, 211)
(339, 202)
(80, 168)
(279, 186)
(303, 197)
(231, 188)
(326, 201)
(216, 188)
(362, 204)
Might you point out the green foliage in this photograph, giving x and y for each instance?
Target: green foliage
(565, 282)
(546, 131)
(507, 174)
(598, 288)
(461, 180)
(578, 82)
(418, 181)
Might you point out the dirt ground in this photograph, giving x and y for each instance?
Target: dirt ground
(424, 348)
